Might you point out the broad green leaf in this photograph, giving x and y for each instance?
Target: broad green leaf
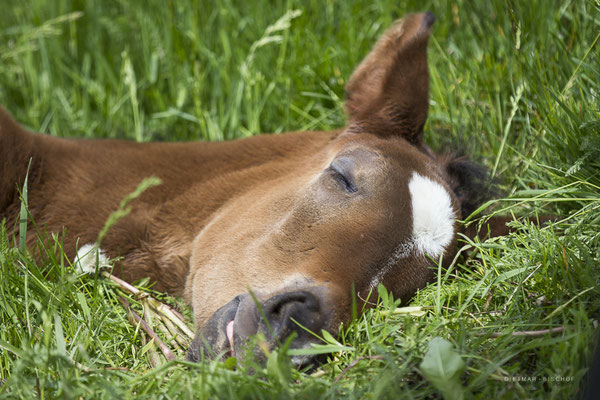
(416, 311)
(83, 304)
(279, 368)
(329, 338)
(383, 294)
(147, 347)
(507, 275)
(59, 334)
(319, 349)
(443, 367)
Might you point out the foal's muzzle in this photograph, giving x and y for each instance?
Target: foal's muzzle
(277, 318)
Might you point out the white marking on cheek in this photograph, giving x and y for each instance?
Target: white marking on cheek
(86, 258)
(433, 215)
(400, 252)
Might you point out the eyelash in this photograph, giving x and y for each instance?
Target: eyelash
(341, 178)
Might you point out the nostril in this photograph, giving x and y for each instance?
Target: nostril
(285, 311)
(276, 304)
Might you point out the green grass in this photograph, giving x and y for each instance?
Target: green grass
(514, 84)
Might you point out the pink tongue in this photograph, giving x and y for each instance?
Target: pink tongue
(229, 331)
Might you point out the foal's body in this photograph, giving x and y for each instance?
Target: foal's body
(75, 184)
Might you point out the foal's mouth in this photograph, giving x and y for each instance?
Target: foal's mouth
(215, 338)
(229, 330)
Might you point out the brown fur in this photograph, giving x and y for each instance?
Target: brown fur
(265, 213)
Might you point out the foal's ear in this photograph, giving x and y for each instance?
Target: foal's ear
(388, 94)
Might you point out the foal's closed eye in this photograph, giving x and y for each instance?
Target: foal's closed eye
(344, 178)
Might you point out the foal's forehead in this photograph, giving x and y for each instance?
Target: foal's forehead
(395, 158)
(420, 181)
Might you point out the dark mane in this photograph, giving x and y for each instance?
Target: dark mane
(470, 182)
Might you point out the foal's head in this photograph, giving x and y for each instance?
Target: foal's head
(375, 205)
